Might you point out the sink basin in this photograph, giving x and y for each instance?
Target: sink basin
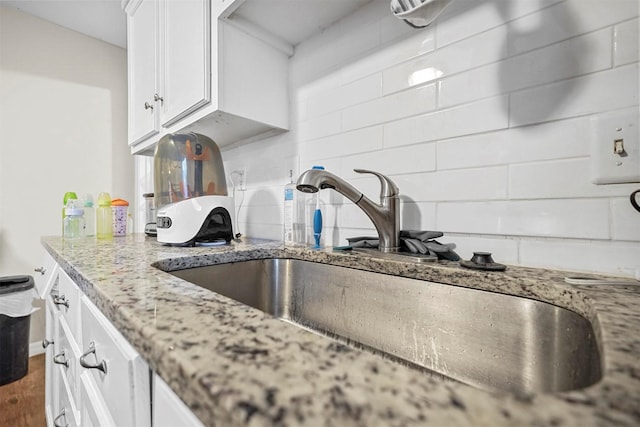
(488, 340)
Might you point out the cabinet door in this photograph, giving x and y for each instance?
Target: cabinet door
(114, 369)
(142, 48)
(46, 275)
(185, 58)
(168, 409)
(51, 377)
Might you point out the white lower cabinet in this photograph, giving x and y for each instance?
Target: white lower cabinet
(94, 377)
(51, 380)
(67, 413)
(117, 370)
(168, 409)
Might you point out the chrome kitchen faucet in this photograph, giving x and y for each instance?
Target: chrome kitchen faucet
(385, 216)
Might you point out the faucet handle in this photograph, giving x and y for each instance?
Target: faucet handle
(388, 188)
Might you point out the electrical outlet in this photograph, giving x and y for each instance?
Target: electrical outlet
(239, 179)
(243, 180)
(615, 147)
(291, 166)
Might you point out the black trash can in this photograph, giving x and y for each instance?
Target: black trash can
(14, 331)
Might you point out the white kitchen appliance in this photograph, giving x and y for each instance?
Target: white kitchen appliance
(191, 199)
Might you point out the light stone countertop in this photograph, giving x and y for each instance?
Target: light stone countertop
(234, 365)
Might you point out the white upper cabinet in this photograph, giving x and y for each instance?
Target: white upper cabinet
(185, 58)
(142, 61)
(217, 67)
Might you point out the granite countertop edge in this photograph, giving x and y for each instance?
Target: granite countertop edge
(253, 369)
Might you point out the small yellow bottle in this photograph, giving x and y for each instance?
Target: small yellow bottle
(104, 217)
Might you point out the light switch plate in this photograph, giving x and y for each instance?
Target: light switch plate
(615, 147)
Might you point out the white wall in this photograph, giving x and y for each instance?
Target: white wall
(483, 121)
(63, 124)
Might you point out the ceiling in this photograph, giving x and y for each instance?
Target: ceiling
(102, 19)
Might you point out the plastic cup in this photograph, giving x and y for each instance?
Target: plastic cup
(120, 210)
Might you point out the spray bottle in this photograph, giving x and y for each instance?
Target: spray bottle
(289, 210)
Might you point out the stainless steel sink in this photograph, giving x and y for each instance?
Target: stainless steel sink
(485, 339)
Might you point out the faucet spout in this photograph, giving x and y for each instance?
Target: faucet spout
(384, 215)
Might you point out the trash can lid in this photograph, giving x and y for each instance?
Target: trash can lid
(9, 284)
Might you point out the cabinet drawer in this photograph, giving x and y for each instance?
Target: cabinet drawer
(66, 297)
(168, 409)
(124, 384)
(67, 356)
(94, 410)
(49, 343)
(66, 412)
(46, 275)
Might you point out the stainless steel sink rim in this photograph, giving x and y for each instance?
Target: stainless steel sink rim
(538, 347)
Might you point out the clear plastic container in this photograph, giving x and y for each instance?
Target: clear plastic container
(313, 216)
(294, 220)
(120, 209)
(67, 196)
(186, 166)
(74, 223)
(104, 217)
(89, 216)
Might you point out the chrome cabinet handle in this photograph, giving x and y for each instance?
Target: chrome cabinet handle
(157, 98)
(61, 300)
(40, 270)
(60, 359)
(102, 366)
(46, 343)
(148, 106)
(62, 415)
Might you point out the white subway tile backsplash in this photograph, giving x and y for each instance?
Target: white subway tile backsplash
(466, 18)
(464, 184)
(403, 160)
(618, 258)
(626, 220)
(588, 219)
(558, 179)
(391, 107)
(417, 215)
(353, 93)
(626, 40)
(482, 116)
(318, 127)
(416, 44)
(454, 58)
(491, 148)
(557, 140)
(603, 91)
(359, 141)
(574, 57)
(565, 20)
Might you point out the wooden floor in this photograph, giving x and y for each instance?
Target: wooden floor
(22, 401)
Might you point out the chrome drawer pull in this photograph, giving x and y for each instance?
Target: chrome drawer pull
(62, 414)
(60, 359)
(46, 343)
(148, 106)
(61, 300)
(40, 270)
(102, 366)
